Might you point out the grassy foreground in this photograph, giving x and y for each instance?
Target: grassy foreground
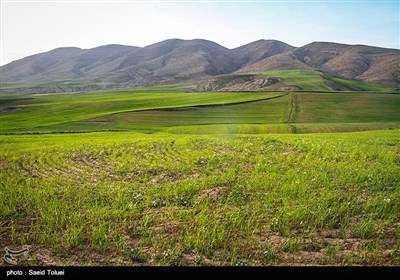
(164, 199)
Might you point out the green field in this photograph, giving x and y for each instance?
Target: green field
(135, 199)
(160, 176)
(312, 80)
(306, 80)
(204, 113)
(36, 111)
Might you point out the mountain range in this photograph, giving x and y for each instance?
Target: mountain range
(177, 60)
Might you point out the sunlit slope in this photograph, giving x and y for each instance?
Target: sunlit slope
(313, 80)
(305, 80)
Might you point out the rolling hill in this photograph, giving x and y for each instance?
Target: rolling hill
(196, 62)
(365, 63)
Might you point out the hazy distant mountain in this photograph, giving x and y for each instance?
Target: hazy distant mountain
(178, 60)
(64, 64)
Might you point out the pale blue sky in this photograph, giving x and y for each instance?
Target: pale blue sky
(29, 27)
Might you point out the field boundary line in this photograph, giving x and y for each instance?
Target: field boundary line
(292, 107)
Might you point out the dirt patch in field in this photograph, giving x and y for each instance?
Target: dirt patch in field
(235, 83)
(275, 240)
(9, 109)
(212, 194)
(329, 233)
(165, 176)
(331, 246)
(303, 258)
(195, 259)
(195, 176)
(43, 256)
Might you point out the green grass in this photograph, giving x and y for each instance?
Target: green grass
(218, 112)
(162, 199)
(169, 108)
(306, 80)
(272, 109)
(173, 195)
(346, 108)
(214, 178)
(277, 128)
(50, 109)
(312, 80)
(358, 85)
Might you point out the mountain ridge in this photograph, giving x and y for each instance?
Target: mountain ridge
(177, 60)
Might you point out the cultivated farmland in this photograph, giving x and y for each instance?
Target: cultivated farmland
(129, 199)
(160, 176)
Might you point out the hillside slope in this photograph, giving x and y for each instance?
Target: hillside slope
(176, 60)
(365, 63)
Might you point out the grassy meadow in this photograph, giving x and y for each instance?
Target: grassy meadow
(204, 113)
(159, 176)
(162, 199)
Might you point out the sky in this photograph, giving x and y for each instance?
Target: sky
(29, 27)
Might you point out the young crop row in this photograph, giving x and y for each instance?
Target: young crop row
(124, 198)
